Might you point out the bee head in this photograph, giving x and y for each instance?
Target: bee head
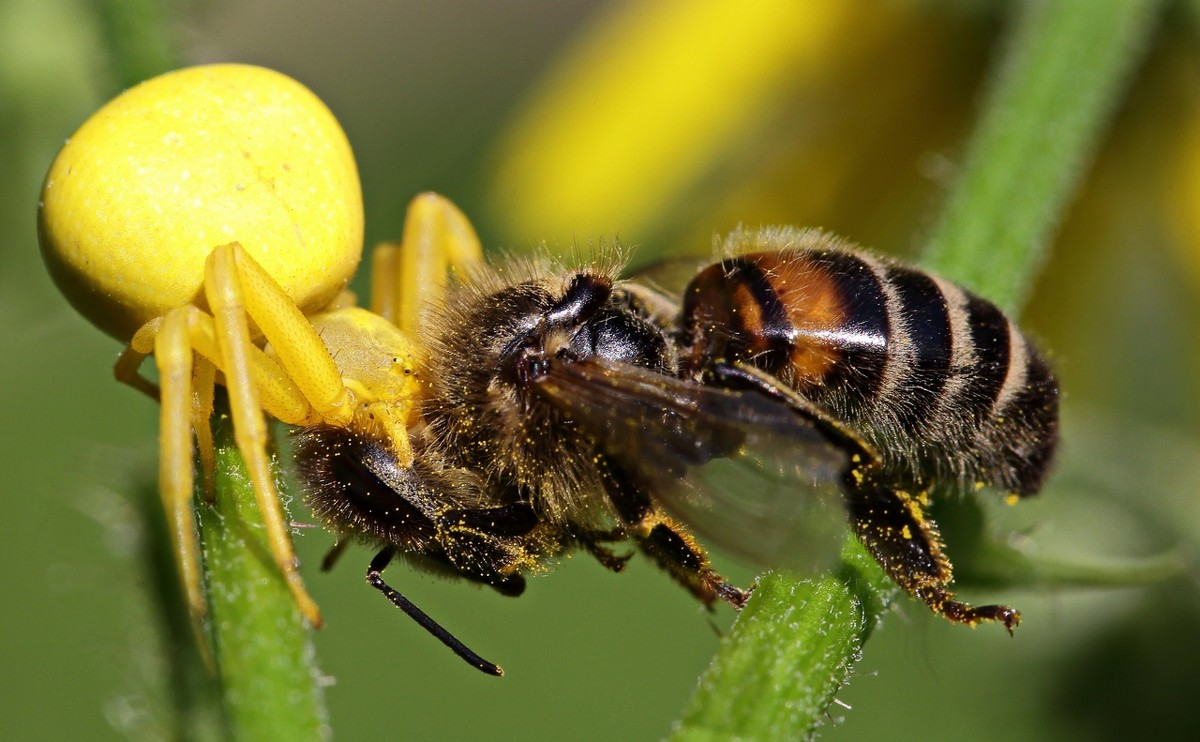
(498, 338)
(589, 320)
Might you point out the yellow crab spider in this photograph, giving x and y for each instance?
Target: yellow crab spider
(212, 217)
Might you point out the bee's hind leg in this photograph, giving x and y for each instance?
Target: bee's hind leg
(666, 541)
(891, 523)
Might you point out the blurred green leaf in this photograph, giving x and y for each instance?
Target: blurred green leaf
(140, 39)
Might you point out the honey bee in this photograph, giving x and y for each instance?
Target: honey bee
(567, 409)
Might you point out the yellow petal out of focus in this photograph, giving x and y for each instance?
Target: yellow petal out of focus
(1183, 201)
(138, 198)
(642, 105)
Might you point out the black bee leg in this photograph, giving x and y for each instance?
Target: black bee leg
(607, 557)
(666, 541)
(513, 520)
(680, 554)
(494, 545)
(334, 554)
(892, 524)
(593, 541)
(942, 602)
(375, 580)
(744, 376)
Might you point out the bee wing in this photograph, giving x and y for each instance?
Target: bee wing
(670, 276)
(744, 471)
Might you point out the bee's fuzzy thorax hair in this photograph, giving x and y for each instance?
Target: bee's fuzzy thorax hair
(486, 421)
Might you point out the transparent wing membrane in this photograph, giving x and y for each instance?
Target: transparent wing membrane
(744, 471)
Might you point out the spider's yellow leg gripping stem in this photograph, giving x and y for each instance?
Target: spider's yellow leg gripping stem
(227, 301)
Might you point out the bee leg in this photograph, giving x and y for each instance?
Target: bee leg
(611, 560)
(375, 580)
(494, 545)
(686, 560)
(513, 520)
(592, 541)
(666, 541)
(334, 554)
(891, 524)
(744, 376)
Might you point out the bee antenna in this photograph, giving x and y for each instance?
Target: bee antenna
(375, 580)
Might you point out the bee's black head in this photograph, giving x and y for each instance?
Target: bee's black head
(499, 340)
(589, 320)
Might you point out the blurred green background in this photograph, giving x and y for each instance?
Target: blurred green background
(863, 143)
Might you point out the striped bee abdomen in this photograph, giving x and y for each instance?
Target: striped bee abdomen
(938, 380)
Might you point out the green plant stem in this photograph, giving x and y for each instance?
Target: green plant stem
(1062, 73)
(793, 647)
(263, 650)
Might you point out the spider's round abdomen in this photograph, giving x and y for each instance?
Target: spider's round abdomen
(141, 194)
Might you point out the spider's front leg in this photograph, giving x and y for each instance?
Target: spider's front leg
(405, 277)
(298, 383)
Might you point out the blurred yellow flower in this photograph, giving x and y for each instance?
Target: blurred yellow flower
(667, 120)
(1182, 198)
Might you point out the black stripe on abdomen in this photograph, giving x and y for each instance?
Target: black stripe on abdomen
(862, 341)
(990, 341)
(927, 324)
(769, 342)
